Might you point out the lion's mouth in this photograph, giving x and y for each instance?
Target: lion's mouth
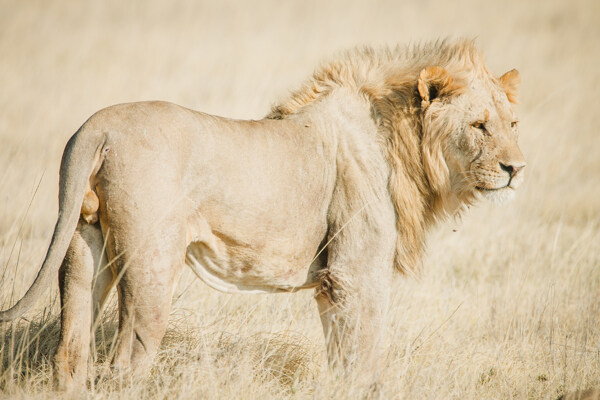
(482, 189)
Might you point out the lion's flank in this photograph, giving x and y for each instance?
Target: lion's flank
(388, 79)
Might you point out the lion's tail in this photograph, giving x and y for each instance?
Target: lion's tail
(80, 158)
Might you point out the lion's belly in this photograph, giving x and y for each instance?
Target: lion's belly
(226, 264)
(225, 276)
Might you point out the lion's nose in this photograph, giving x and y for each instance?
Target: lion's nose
(512, 169)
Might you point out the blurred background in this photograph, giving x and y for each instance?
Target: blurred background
(508, 303)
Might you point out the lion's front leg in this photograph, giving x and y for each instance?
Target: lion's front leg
(354, 290)
(353, 311)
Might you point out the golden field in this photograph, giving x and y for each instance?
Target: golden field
(508, 304)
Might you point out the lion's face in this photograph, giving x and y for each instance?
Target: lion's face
(479, 130)
(483, 153)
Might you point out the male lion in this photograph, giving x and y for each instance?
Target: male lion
(333, 190)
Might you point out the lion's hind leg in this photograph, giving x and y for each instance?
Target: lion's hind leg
(148, 277)
(76, 276)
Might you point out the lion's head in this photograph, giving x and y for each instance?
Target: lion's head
(470, 132)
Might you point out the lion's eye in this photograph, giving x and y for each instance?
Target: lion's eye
(514, 124)
(478, 125)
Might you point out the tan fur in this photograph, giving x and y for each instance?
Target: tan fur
(330, 191)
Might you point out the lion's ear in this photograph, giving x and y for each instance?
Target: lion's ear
(510, 84)
(436, 82)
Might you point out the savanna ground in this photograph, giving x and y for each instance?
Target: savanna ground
(508, 303)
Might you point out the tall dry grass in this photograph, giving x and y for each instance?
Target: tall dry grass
(508, 304)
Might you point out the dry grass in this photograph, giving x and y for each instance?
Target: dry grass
(508, 304)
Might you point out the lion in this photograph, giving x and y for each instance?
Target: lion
(333, 190)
